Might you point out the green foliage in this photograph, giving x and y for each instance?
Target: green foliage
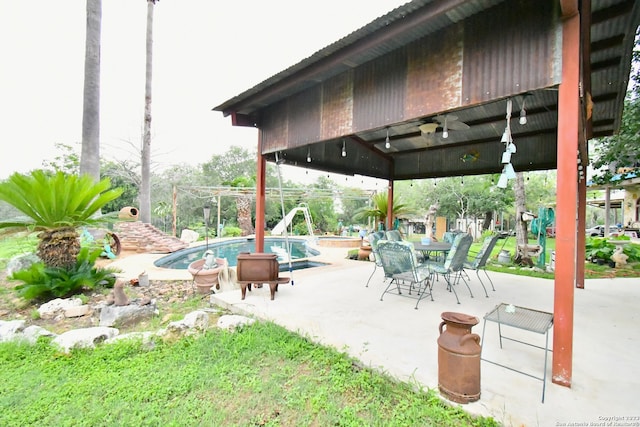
(380, 208)
(208, 380)
(123, 175)
(621, 149)
(55, 201)
(632, 250)
(300, 229)
(598, 248)
(41, 282)
(230, 231)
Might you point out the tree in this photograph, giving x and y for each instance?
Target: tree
(56, 205)
(90, 156)
(123, 175)
(243, 204)
(145, 182)
(379, 209)
(522, 235)
(67, 162)
(623, 149)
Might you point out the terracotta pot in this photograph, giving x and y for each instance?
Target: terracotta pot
(204, 278)
(128, 213)
(364, 252)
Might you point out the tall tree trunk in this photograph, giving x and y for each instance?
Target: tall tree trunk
(488, 219)
(243, 205)
(522, 257)
(90, 155)
(145, 182)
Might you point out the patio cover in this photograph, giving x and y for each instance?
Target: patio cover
(563, 64)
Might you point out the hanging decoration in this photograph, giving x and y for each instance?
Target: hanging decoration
(471, 156)
(509, 148)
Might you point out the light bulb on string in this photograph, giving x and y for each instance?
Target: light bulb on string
(308, 155)
(387, 143)
(523, 117)
(523, 112)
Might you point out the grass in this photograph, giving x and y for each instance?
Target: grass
(262, 375)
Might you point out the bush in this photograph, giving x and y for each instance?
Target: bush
(598, 248)
(632, 250)
(42, 282)
(231, 232)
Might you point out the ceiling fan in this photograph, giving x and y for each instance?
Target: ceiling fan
(445, 121)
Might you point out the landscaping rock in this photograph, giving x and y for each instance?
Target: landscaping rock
(231, 322)
(21, 262)
(127, 315)
(84, 338)
(33, 332)
(58, 306)
(9, 329)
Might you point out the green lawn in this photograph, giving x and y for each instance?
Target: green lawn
(262, 375)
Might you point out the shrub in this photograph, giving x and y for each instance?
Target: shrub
(231, 232)
(598, 248)
(632, 250)
(41, 282)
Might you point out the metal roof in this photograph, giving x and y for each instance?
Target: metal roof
(612, 31)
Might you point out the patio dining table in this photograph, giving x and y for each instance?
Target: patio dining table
(433, 247)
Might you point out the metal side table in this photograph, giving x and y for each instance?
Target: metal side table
(521, 318)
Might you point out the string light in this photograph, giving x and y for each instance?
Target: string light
(309, 155)
(523, 112)
(344, 149)
(387, 144)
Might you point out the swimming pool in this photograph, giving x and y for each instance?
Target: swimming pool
(229, 249)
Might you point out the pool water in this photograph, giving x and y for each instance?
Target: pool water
(230, 249)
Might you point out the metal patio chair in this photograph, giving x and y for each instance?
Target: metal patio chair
(373, 241)
(480, 260)
(452, 267)
(408, 278)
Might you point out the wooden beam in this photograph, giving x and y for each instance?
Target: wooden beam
(261, 184)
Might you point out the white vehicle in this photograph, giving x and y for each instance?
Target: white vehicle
(598, 230)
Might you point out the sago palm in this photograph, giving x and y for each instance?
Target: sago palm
(56, 205)
(379, 208)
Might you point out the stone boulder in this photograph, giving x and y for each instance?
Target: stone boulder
(21, 262)
(84, 338)
(231, 322)
(59, 307)
(126, 315)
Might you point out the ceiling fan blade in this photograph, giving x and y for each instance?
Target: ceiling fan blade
(428, 128)
(449, 117)
(457, 125)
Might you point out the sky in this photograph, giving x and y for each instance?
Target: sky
(205, 52)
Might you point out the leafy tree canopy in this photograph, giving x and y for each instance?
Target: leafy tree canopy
(623, 149)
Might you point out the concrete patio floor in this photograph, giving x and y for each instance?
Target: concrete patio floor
(331, 305)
